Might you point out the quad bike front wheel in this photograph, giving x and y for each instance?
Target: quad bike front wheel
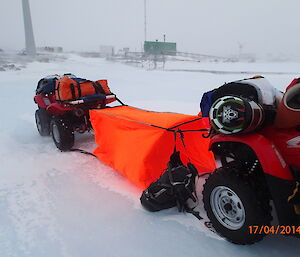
(42, 120)
(233, 206)
(62, 133)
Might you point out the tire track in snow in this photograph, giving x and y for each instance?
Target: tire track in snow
(30, 225)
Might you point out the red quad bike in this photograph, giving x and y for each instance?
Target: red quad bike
(258, 167)
(62, 118)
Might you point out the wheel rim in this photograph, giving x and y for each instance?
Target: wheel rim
(227, 207)
(38, 123)
(55, 133)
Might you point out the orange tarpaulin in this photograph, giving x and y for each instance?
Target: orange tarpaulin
(130, 141)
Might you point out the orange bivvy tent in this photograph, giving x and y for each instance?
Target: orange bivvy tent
(137, 144)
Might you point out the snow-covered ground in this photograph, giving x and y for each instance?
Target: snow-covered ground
(56, 204)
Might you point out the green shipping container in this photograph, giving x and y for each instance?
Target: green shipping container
(155, 47)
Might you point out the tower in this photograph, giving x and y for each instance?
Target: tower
(29, 38)
(145, 19)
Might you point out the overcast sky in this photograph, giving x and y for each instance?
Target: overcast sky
(202, 26)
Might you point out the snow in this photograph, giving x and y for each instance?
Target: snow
(72, 205)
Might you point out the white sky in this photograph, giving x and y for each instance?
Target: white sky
(203, 26)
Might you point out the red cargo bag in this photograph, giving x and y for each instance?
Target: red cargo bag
(133, 142)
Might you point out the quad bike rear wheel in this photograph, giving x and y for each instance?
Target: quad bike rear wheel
(62, 133)
(233, 204)
(42, 120)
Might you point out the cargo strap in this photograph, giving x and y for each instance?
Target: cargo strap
(181, 204)
(73, 91)
(79, 89)
(98, 88)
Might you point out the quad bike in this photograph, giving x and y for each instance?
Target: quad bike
(61, 119)
(258, 169)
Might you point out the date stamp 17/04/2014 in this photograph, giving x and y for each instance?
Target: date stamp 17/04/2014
(279, 229)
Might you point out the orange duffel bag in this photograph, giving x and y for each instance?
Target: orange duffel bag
(69, 89)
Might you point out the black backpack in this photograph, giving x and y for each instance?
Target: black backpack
(46, 85)
(175, 186)
(237, 89)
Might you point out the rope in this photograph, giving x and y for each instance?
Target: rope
(186, 122)
(82, 151)
(120, 101)
(171, 129)
(192, 211)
